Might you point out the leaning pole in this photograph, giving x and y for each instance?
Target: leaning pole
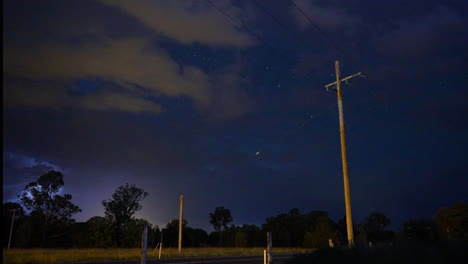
(181, 220)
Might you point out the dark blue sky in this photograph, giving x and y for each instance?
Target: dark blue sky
(178, 97)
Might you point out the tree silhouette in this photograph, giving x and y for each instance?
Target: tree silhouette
(8, 218)
(42, 198)
(376, 221)
(453, 221)
(120, 209)
(99, 232)
(374, 227)
(220, 218)
(420, 229)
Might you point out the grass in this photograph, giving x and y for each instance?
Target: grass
(21, 256)
(403, 253)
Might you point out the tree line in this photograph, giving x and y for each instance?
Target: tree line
(47, 223)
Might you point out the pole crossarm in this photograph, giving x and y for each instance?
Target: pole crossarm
(345, 79)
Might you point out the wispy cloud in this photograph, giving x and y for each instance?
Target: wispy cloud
(18, 170)
(40, 72)
(187, 22)
(326, 17)
(419, 36)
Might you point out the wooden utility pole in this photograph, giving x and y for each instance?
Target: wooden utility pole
(344, 162)
(144, 244)
(181, 220)
(11, 229)
(269, 258)
(161, 243)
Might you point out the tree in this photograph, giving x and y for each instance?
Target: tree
(171, 232)
(279, 225)
(453, 221)
(196, 237)
(240, 239)
(255, 236)
(132, 234)
(30, 230)
(374, 227)
(376, 221)
(322, 232)
(120, 209)
(7, 220)
(99, 232)
(41, 196)
(418, 230)
(220, 218)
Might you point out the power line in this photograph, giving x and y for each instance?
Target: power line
(265, 10)
(310, 20)
(247, 29)
(258, 37)
(317, 28)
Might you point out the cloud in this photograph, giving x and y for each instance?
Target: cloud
(19, 170)
(231, 99)
(53, 95)
(123, 62)
(327, 18)
(124, 102)
(42, 77)
(416, 37)
(40, 70)
(187, 22)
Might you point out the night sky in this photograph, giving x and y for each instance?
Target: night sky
(224, 102)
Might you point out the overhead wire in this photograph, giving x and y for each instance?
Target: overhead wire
(247, 29)
(340, 52)
(303, 122)
(286, 28)
(325, 60)
(332, 44)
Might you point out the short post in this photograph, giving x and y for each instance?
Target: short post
(264, 257)
(144, 242)
(269, 248)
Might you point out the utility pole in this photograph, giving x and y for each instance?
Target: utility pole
(269, 258)
(344, 162)
(181, 219)
(144, 244)
(11, 229)
(161, 243)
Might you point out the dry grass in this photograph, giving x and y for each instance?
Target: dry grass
(21, 256)
(402, 252)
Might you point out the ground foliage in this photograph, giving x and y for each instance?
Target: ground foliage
(402, 252)
(44, 219)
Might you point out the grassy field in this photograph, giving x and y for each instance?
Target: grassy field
(403, 253)
(22, 256)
